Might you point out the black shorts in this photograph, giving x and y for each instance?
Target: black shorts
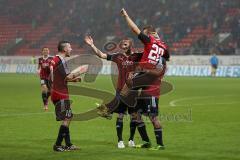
(63, 109)
(123, 109)
(147, 106)
(118, 106)
(46, 82)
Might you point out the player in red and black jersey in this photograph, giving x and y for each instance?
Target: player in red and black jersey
(126, 62)
(152, 68)
(44, 74)
(60, 75)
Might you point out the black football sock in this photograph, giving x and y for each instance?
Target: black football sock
(119, 127)
(142, 131)
(158, 134)
(60, 135)
(44, 98)
(133, 126)
(67, 136)
(111, 106)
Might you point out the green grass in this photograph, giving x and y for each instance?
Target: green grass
(213, 132)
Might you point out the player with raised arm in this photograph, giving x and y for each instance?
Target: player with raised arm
(60, 75)
(152, 66)
(126, 63)
(44, 74)
(155, 50)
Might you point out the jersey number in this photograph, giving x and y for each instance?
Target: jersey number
(155, 53)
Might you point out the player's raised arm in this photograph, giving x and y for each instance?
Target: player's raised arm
(89, 41)
(130, 23)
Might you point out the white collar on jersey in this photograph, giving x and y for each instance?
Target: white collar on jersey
(46, 57)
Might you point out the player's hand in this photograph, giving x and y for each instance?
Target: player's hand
(123, 12)
(88, 40)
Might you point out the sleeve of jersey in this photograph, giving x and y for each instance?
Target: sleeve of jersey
(112, 57)
(53, 63)
(144, 38)
(109, 57)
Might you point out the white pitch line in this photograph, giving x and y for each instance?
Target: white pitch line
(203, 104)
(173, 102)
(24, 114)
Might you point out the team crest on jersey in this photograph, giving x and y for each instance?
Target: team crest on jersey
(45, 64)
(127, 63)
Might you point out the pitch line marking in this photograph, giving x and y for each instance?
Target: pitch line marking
(173, 102)
(24, 114)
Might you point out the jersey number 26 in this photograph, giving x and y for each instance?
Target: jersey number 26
(155, 53)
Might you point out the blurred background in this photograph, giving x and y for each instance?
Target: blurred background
(200, 115)
(190, 27)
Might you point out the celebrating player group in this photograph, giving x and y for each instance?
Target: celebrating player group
(138, 86)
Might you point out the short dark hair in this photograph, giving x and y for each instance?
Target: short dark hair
(44, 48)
(149, 28)
(61, 45)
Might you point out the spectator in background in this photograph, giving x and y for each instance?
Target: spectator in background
(33, 60)
(176, 23)
(214, 65)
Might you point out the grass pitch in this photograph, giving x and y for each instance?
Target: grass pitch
(201, 119)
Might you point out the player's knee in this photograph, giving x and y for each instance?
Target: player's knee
(139, 117)
(133, 120)
(66, 122)
(134, 116)
(157, 125)
(44, 88)
(120, 116)
(155, 122)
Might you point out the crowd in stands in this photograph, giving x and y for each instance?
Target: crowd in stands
(173, 19)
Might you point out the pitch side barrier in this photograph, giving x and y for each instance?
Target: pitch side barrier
(175, 60)
(173, 70)
(178, 66)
